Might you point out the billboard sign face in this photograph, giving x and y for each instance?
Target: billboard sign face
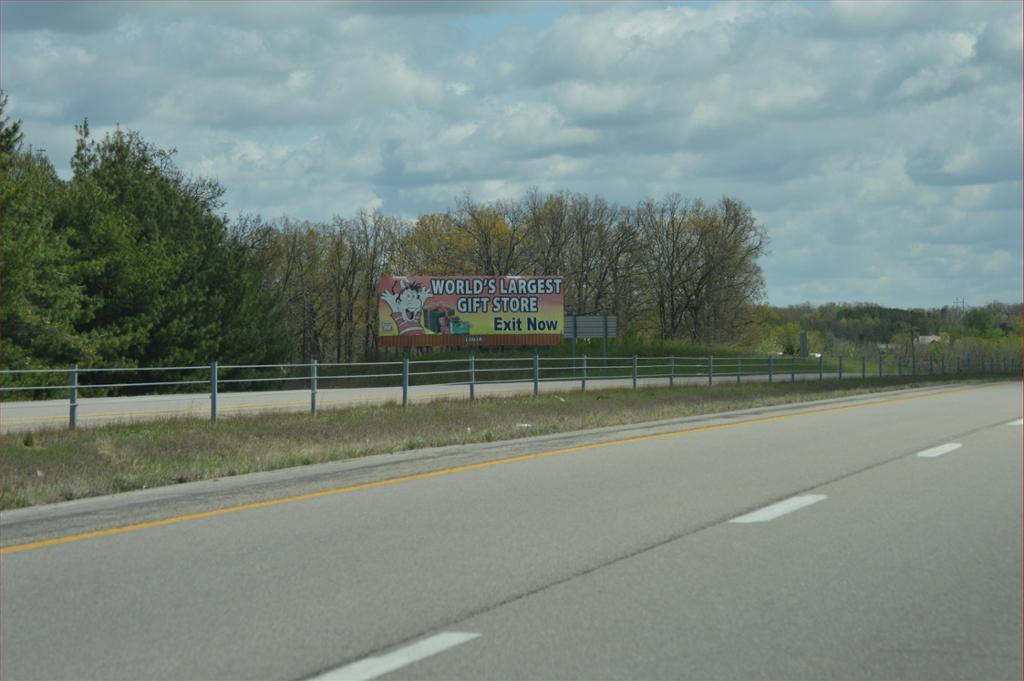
(450, 310)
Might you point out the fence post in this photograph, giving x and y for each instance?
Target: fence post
(213, 392)
(770, 367)
(671, 370)
(583, 379)
(899, 366)
(942, 365)
(312, 387)
(73, 398)
(930, 365)
(880, 366)
(472, 376)
(821, 367)
(958, 364)
(711, 368)
(536, 375)
(792, 370)
(840, 367)
(863, 367)
(634, 372)
(405, 378)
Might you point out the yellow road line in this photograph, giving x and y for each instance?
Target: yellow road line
(459, 469)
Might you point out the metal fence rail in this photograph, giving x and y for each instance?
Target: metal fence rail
(75, 383)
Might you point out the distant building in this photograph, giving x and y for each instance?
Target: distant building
(927, 340)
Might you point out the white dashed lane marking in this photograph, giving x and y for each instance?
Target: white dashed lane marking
(940, 450)
(781, 508)
(372, 667)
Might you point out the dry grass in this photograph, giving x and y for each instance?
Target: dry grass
(52, 466)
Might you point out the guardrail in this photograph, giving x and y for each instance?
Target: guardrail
(470, 372)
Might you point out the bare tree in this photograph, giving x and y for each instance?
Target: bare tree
(495, 231)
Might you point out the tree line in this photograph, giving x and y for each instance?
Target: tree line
(131, 262)
(866, 330)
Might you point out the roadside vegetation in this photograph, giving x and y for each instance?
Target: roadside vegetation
(49, 466)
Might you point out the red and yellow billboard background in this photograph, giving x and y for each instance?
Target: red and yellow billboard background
(424, 311)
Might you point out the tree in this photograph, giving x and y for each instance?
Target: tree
(734, 282)
(160, 272)
(434, 246)
(42, 299)
(495, 233)
(979, 322)
(10, 131)
(701, 265)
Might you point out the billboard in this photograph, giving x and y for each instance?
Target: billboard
(456, 311)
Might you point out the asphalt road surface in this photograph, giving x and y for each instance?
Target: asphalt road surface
(92, 411)
(870, 538)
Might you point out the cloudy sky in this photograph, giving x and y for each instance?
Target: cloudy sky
(879, 144)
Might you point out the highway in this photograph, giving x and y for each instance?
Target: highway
(874, 537)
(93, 411)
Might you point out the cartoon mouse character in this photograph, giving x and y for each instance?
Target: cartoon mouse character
(406, 299)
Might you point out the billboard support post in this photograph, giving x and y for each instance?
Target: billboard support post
(634, 372)
(472, 376)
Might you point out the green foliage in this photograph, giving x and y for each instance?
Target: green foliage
(127, 264)
(42, 299)
(10, 131)
(859, 330)
(978, 322)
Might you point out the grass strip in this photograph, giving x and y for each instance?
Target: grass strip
(49, 466)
